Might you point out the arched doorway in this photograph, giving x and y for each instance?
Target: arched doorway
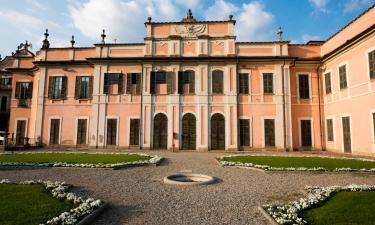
(217, 132)
(188, 132)
(160, 131)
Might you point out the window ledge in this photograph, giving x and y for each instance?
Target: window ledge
(268, 94)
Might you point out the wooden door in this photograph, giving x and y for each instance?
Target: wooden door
(20, 132)
(244, 132)
(82, 132)
(160, 131)
(188, 132)
(346, 134)
(111, 131)
(306, 138)
(134, 132)
(54, 134)
(217, 132)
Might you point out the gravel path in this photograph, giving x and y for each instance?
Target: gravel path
(138, 195)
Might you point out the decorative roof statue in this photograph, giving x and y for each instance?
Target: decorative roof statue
(189, 17)
(72, 41)
(103, 37)
(280, 34)
(45, 41)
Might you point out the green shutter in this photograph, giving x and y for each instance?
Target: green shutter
(91, 86)
(120, 83)
(191, 82)
(29, 93)
(129, 83)
(152, 82)
(170, 82)
(77, 88)
(18, 90)
(64, 87)
(50, 87)
(138, 83)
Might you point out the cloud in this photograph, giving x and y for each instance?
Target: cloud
(352, 5)
(320, 5)
(254, 22)
(123, 20)
(308, 37)
(191, 4)
(220, 10)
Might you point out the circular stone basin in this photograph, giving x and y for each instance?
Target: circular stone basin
(188, 179)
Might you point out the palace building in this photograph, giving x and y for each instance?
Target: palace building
(191, 86)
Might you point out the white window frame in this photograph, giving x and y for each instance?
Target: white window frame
(87, 129)
(262, 72)
(324, 82)
(346, 64)
(49, 128)
(117, 129)
(300, 131)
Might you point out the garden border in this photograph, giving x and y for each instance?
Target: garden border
(284, 214)
(280, 169)
(154, 160)
(87, 209)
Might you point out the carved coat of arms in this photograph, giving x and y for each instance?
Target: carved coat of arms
(190, 30)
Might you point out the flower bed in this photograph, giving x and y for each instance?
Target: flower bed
(59, 190)
(30, 159)
(230, 161)
(289, 214)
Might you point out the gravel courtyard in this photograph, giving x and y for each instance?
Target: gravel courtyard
(138, 196)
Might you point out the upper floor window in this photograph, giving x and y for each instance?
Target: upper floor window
(57, 87)
(133, 83)
(371, 62)
(6, 82)
(186, 82)
(113, 83)
(303, 85)
(83, 88)
(217, 82)
(161, 78)
(343, 78)
(161, 82)
(327, 79)
(243, 83)
(268, 83)
(24, 90)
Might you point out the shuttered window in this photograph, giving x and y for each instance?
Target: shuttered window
(161, 78)
(134, 132)
(303, 85)
(327, 79)
(343, 78)
(24, 90)
(83, 88)
(244, 132)
(57, 87)
(133, 83)
(54, 134)
(371, 63)
(186, 82)
(112, 79)
(82, 132)
(111, 131)
(217, 82)
(243, 83)
(330, 130)
(268, 83)
(269, 132)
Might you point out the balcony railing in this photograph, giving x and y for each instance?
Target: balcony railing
(24, 103)
(6, 87)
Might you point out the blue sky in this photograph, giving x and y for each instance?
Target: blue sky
(301, 20)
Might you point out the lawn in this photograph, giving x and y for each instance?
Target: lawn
(72, 158)
(354, 208)
(307, 162)
(29, 204)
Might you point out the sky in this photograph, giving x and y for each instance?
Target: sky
(123, 20)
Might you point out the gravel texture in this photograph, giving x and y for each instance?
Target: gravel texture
(138, 195)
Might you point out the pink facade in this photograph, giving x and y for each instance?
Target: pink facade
(191, 86)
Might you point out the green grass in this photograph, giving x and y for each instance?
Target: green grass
(307, 162)
(72, 158)
(28, 204)
(344, 208)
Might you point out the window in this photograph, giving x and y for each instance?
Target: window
(243, 83)
(57, 87)
(343, 78)
(330, 130)
(134, 132)
(83, 87)
(54, 134)
(6, 82)
(327, 78)
(244, 132)
(113, 81)
(4, 103)
(371, 63)
(133, 83)
(217, 82)
(268, 83)
(269, 132)
(186, 82)
(24, 90)
(304, 87)
(111, 131)
(161, 78)
(81, 131)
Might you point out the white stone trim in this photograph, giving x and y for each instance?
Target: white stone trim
(49, 128)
